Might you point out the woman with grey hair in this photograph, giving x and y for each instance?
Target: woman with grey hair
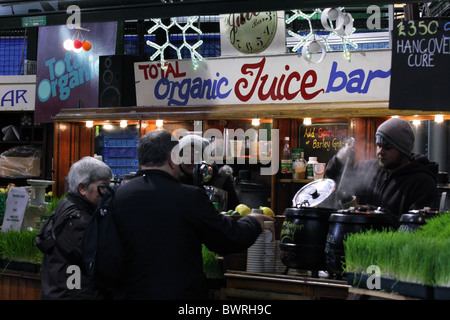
(62, 270)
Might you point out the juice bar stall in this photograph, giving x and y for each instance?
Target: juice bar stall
(341, 100)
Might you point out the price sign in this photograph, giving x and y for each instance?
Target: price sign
(420, 78)
(16, 205)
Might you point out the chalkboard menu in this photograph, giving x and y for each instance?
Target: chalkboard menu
(322, 140)
(420, 78)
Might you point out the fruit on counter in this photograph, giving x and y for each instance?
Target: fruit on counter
(267, 211)
(243, 209)
(2, 190)
(10, 186)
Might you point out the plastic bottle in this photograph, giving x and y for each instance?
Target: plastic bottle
(286, 160)
(310, 167)
(299, 166)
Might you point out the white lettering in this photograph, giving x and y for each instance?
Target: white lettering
(74, 280)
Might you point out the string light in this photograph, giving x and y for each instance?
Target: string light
(159, 124)
(343, 29)
(255, 122)
(195, 56)
(439, 118)
(307, 121)
(123, 123)
(89, 124)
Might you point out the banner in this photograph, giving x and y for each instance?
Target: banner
(265, 80)
(17, 93)
(68, 79)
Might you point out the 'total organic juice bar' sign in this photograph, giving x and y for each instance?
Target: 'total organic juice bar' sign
(271, 79)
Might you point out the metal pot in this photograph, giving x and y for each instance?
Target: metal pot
(415, 219)
(351, 221)
(303, 236)
(304, 230)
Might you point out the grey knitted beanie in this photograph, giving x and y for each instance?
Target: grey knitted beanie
(398, 132)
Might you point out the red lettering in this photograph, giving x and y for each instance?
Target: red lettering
(277, 88)
(305, 84)
(153, 71)
(145, 68)
(243, 82)
(287, 94)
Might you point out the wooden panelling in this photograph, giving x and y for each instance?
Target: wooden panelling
(19, 286)
(72, 141)
(363, 130)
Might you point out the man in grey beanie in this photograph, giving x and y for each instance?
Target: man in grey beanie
(397, 181)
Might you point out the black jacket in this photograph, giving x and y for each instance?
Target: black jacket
(163, 224)
(412, 187)
(219, 180)
(72, 215)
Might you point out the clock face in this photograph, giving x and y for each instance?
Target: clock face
(251, 32)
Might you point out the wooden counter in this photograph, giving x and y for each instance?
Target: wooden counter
(265, 286)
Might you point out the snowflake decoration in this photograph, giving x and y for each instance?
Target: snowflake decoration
(342, 32)
(195, 56)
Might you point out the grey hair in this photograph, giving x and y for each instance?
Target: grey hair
(155, 147)
(87, 171)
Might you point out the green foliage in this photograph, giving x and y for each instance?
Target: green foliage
(422, 256)
(20, 246)
(53, 203)
(211, 265)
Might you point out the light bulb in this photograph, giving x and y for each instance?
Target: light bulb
(439, 118)
(68, 44)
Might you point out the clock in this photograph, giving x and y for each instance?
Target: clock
(251, 32)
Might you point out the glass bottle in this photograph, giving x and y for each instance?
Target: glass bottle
(299, 167)
(286, 160)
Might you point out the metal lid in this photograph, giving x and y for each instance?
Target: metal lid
(314, 193)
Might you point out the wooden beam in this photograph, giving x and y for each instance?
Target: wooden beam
(243, 111)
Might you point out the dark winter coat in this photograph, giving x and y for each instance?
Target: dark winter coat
(411, 187)
(72, 215)
(163, 224)
(220, 180)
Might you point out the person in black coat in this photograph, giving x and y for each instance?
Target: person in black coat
(62, 270)
(397, 181)
(221, 178)
(163, 224)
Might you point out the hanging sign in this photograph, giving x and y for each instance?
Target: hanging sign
(17, 93)
(420, 65)
(16, 205)
(69, 79)
(264, 80)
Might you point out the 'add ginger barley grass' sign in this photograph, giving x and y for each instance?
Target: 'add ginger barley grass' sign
(265, 80)
(420, 65)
